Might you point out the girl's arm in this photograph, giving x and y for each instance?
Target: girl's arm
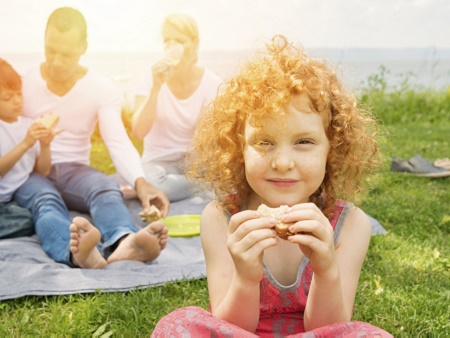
(234, 263)
(336, 270)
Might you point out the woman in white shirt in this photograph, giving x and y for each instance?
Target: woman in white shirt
(168, 104)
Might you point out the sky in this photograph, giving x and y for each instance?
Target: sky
(135, 25)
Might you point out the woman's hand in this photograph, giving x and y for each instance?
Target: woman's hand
(314, 235)
(248, 236)
(162, 71)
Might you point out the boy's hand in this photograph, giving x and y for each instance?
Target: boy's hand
(47, 139)
(34, 133)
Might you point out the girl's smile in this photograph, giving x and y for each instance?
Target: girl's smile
(282, 182)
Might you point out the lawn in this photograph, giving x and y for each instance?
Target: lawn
(405, 282)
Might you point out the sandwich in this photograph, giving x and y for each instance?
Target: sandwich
(49, 121)
(276, 213)
(151, 215)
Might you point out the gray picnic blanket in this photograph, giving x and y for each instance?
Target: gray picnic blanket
(25, 269)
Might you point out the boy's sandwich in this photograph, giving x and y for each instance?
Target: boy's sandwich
(49, 121)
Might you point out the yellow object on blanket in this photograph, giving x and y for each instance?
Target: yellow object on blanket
(183, 225)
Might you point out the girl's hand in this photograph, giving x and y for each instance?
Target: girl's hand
(314, 235)
(248, 236)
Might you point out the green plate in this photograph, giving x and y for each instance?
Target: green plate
(183, 225)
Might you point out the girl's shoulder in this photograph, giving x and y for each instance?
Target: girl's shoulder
(211, 208)
(213, 226)
(212, 214)
(355, 225)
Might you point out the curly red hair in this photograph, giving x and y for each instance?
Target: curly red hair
(263, 88)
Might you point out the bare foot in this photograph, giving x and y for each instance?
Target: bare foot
(84, 238)
(143, 246)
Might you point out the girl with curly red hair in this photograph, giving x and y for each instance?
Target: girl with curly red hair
(284, 131)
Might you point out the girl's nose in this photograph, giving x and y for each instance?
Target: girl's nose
(282, 162)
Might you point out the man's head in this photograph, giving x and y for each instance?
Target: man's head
(65, 19)
(10, 93)
(65, 43)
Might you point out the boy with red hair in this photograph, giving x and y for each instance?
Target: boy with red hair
(20, 154)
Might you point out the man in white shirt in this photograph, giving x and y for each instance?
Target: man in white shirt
(82, 97)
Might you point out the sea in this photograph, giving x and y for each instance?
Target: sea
(421, 67)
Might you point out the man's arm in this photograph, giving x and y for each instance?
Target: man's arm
(124, 155)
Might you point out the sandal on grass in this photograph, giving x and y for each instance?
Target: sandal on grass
(443, 163)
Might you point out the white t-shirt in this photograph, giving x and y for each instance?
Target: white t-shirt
(93, 98)
(175, 119)
(11, 134)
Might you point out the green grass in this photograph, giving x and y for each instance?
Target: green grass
(405, 282)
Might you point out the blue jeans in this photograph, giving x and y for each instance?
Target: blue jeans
(77, 187)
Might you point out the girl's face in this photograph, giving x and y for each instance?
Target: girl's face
(285, 160)
(10, 104)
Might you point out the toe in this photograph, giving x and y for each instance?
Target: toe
(156, 226)
(82, 223)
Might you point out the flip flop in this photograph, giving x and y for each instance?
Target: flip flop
(443, 163)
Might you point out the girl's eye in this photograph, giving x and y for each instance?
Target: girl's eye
(304, 141)
(263, 143)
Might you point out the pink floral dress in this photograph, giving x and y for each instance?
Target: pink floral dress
(281, 309)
